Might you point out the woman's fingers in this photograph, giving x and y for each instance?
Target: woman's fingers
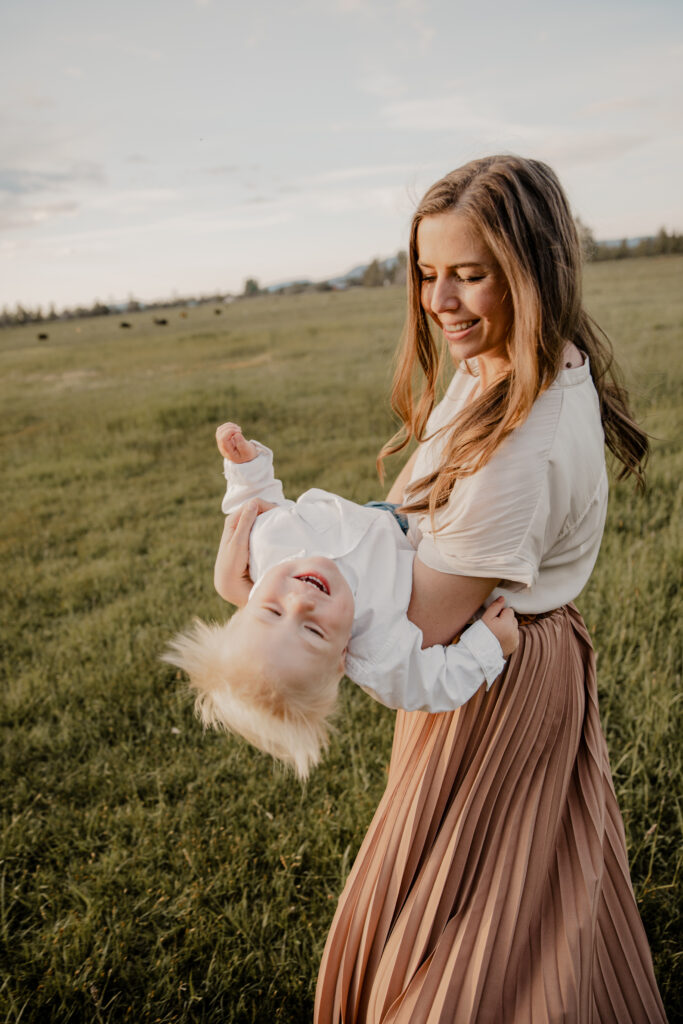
(239, 523)
(243, 519)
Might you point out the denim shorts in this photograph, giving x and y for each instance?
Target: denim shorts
(390, 507)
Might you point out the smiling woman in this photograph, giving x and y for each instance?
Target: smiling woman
(493, 884)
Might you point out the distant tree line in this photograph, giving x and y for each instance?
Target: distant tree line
(377, 273)
(661, 244)
(37, 315)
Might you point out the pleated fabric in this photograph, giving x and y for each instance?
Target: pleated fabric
(493, 884)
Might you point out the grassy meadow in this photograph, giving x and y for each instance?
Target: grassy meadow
(149, 872)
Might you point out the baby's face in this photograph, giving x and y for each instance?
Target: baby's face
(301, 612)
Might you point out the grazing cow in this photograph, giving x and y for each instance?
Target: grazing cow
(124, 323)
(43, 337)
(160, 321)
(218, 312)
(183, 314)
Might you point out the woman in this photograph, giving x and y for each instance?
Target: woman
(493, 884)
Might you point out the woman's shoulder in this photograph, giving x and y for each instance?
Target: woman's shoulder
(573, 406)
(558, 448)
(534, 489)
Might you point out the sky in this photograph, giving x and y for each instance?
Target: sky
(153, 148)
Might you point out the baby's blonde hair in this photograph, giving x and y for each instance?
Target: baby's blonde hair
(241, 691)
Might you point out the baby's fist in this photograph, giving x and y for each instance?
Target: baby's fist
(503, 624)
(232, 444)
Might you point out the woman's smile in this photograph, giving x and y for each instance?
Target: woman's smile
(458, 330)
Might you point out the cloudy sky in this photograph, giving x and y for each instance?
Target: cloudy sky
(156, 146)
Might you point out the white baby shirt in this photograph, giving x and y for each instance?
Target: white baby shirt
(385, 655)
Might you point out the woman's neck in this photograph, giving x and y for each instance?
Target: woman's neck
(490, 369)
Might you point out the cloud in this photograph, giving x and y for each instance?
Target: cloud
(589, 148)
(382, 84)
(444, 114)
(454, 115)
(355, 200)
(358, 173)
(19, 181)
(131, 200)
(232, 170)
(35, 101)
(616, 105)
(13, 217)
(30, 198)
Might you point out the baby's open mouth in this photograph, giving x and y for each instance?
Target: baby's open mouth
(314, 580)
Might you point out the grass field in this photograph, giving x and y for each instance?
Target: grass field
(149, 872)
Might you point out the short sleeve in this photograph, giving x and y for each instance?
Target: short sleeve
(495, 523)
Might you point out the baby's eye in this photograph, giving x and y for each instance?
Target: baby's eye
(317, 632)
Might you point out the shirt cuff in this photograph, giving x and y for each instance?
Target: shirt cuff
(248, 470)
(484, 647)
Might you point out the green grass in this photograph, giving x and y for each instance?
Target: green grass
(149, 872)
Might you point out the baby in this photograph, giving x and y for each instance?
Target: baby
(330, 592)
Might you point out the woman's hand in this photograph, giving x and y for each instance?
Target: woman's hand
(503, 624)
(231, 574)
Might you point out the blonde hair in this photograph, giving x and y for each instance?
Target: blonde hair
(239, 690)
(520, 211)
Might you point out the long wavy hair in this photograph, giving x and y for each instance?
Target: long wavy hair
(520, 211)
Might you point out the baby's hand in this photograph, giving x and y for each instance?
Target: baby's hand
(503, 624)
(232, 444)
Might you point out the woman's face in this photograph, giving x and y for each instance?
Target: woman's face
(464, 291)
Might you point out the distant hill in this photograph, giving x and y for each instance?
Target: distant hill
(351, 277)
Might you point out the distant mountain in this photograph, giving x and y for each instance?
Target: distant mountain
(351, 277)
(614, 243)
(282, 285)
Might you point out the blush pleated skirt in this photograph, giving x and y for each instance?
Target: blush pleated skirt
(493, 884)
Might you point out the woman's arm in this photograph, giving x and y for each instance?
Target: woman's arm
(402, 480)
(442, 603)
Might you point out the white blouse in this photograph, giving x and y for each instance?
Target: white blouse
(533, 516)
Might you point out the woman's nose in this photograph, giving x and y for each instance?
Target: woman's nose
(444, 295)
